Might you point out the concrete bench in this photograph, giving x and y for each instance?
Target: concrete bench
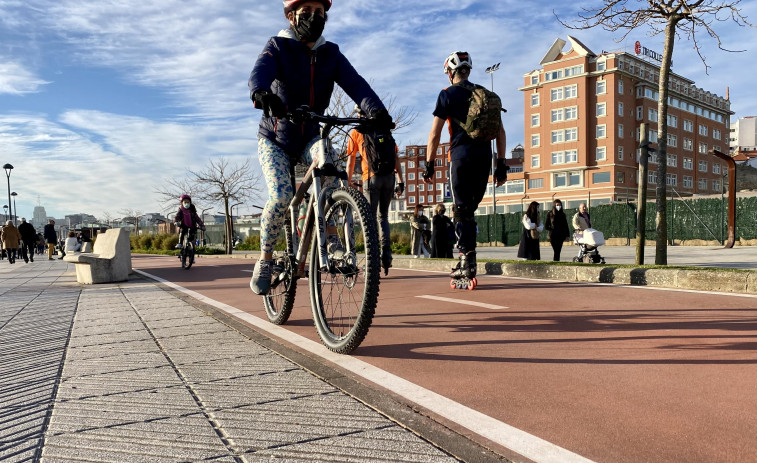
(109, 262)
(86, 247)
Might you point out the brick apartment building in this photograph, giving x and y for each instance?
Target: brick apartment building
(582, 118)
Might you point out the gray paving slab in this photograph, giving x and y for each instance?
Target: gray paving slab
(130, 373)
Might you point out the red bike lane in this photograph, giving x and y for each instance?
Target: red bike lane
(614, 374)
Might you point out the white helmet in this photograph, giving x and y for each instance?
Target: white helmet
(456, 60)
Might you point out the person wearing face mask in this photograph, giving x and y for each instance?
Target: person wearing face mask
(187, 220)
(557, 228)
(297, 67)
(529, 240)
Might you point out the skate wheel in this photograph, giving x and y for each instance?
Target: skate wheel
(471, 284)
(452, 284)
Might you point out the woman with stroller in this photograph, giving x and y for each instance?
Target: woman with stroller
(557, 228)
(529, 240)
(418, 225)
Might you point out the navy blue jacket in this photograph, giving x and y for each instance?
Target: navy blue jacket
(285, 68)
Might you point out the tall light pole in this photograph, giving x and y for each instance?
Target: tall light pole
(490, 70)
(8, 168)
(14, 214)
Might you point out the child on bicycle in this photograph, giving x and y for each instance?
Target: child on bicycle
(297, 67)
(187, 220)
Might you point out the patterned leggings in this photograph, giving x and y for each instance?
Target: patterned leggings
(275, 165)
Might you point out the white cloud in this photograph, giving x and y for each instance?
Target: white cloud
(15, 79)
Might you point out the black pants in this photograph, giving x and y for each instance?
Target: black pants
(379, 194)
(27, 251)
(468, 178)
(557, 248)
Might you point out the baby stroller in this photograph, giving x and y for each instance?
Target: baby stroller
(588, 241)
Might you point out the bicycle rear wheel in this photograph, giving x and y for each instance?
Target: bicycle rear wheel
(343, 295)
(280, 298)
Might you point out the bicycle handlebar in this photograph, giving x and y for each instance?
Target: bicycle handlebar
(304, 113)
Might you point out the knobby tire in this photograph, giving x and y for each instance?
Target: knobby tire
(280, 300)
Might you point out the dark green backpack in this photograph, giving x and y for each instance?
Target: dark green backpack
(484, 106)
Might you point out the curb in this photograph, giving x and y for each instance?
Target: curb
(709, 279)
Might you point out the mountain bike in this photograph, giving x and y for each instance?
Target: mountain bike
(343, 278)
(187, 253)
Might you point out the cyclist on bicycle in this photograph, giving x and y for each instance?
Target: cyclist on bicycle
(187, 220)
(469, 159)
(378, 189)
(297, 67)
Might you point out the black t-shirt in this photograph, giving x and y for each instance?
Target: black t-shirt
(453, 103)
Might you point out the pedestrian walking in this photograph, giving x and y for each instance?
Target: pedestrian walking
(40, 244)
(11, 239)
(532, 227)
(418, 225)
(557, 228)
(471, 127)
(378, 186)
(50, 238)
(441, 238)
(29, 240)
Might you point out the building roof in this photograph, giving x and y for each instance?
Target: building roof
(556, 50)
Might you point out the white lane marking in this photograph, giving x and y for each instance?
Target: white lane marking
(649, 288)
(508, 436)
(249, 271)
(460, 301)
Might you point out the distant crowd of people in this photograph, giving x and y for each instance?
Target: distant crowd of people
(25, 242)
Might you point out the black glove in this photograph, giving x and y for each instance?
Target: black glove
(270, 103)
(383, 119)
(428, 172)
(399, 189)
(500, 172)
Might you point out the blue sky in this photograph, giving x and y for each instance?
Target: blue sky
(101, 100)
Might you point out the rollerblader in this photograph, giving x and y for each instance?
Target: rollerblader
(473, 115)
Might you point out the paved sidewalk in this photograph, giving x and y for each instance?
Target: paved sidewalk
(129, 373)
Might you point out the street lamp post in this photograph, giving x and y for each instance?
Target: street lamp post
(14, 213)
(8, 168)
(490, 70)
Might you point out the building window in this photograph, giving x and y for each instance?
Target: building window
(688, 181)
(672, 140)
(652, 113)
(716, 186)
(601, 153)
(672, 121)
(439, 187)
(438, 174)
(534, 99)
(653, 136)
(556, 94)
(671, 179)
(410, 164)
(688, 163)
(702, 130)
(601, 109)
(535, 183)
(702, 184)
(620, 177)
(535, 161)
(421, 187)
(702, 166)
(620, 110)
(411, 188)
(601, 131)
(652, 177)
(716, 134)
(620, 87)
(560, 136)
(639, 113)
(703, 148)
(534, 120)
(438, 162)
(564, 157)
(410, 176)
(601, 65)
(620, 130)
(431, 198)
(672, 160)
(600, 177)
(688, 126)
(534, 80)
(566, 179)
(620, 153)
(688, 144)
(601, 87)
(534, 140)
(571, 91)
(715, 168)
(411, 200)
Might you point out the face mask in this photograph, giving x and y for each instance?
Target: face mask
(186, 205)
(558, 207)
(309, 27)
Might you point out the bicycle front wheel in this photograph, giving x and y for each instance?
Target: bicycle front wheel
(187, 256)
(280, 298)
(344, 293)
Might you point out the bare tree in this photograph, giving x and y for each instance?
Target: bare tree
(107, 217)
(223, 183)
(132, 216)
(171, 190)
(673, 18)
